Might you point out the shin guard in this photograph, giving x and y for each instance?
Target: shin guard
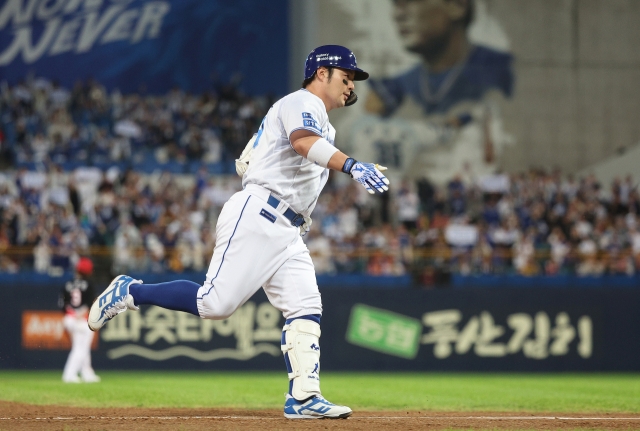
(301, 348)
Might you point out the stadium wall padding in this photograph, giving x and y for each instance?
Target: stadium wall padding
(363, 329)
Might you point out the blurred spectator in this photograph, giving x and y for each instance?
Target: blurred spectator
(456, 196)
(321, 252)
(524, 254)
(426, 192)
(407, 205)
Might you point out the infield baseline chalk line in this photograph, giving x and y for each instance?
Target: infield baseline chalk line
(530, 418)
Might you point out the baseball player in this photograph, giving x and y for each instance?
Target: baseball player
(75, 300)
(258, 235)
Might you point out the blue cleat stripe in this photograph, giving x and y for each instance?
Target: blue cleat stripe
(121, 283)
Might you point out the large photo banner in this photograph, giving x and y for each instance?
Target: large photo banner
(475, 88)
(147, 45)
(440, 74)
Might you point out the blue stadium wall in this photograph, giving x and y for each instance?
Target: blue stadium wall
(392, 329)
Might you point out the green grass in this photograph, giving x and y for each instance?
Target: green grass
(370, 391)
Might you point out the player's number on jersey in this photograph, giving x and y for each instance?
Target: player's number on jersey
(260, 130)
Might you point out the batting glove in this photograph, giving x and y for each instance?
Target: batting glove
(367, 174)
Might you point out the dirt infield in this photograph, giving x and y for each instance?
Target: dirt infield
(14, 416)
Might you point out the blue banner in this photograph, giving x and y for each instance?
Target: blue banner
(150, 45)
(466, 329)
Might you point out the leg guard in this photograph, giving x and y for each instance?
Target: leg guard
(301, 348)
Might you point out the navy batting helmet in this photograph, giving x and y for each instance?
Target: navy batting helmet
(332, 56)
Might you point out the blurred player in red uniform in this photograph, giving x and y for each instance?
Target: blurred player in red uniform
(75, 299)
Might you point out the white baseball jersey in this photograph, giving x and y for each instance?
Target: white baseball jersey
(256, 245)
(276, 166)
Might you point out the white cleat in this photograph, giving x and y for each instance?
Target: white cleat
(314, 408)
(91, 379)
(113, 301)
(75, 379)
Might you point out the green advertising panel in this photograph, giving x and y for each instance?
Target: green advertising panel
(384, 331)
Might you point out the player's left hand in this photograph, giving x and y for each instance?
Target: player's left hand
(370, 176)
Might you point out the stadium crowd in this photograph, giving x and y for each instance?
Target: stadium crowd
(87, 126)
(71, 185)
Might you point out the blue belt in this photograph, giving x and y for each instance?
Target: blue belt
(296, 219)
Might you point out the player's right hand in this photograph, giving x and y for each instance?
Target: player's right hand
(370, 176)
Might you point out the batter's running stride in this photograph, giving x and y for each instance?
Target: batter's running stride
(258, 243)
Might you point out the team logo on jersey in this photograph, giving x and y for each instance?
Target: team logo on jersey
(309, 121)
(266, 214)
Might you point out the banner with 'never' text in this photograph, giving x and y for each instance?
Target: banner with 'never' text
(147, 45)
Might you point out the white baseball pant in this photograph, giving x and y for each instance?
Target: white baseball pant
(79, 360)
(257, 246)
